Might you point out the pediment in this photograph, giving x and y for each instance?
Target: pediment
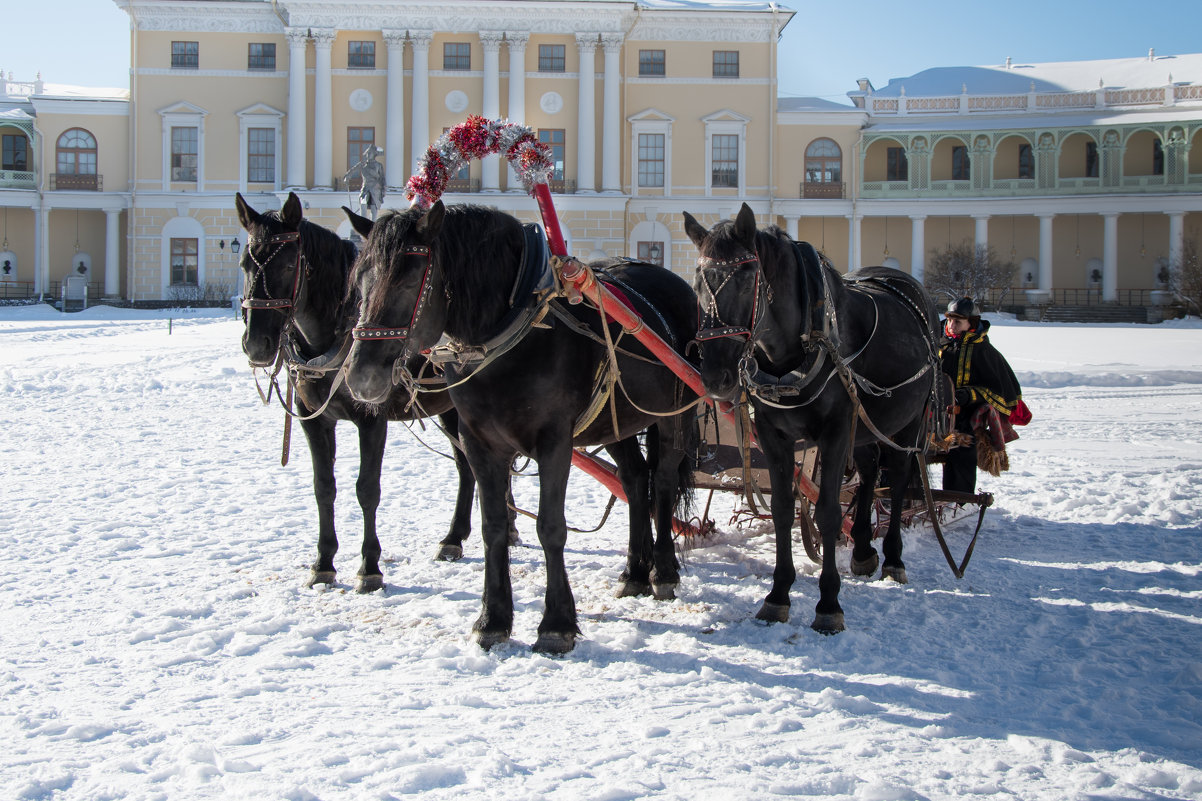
(183, 107)
(726, 115)
(651, 115)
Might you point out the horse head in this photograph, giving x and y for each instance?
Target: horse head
(402, 305)
(738, 270)
(271, 267)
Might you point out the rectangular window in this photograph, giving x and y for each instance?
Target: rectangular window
(260, 155)
(183, 153)
(725, 160)
(1091, 160)
(185, 55)
(357, 139)
(1026, 162)
(651, 252)
(897, 168)
(261, 56)
(960, 166)
(555, 139)
(184, 262)
(456, 56)
(552, 58)
(726, 63)
(651, 159)
(1157, 158)
(16, 153)
(361, 56)
(651, 62)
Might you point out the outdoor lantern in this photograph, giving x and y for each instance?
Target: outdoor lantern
(221, 244)
(655, 251)
(235, 245)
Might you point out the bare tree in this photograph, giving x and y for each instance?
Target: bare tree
(967, 269)
(1185, 277)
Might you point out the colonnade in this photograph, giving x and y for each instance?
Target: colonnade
(417, 111)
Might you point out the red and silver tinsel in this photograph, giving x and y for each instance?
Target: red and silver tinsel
(474, 139)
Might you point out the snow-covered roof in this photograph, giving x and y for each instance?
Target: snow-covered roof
(68, 92)
(1056, 76)
(784, 104)
(711, 5)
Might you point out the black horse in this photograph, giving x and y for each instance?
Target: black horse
(827, 360)
(296, 309)
(532, 379)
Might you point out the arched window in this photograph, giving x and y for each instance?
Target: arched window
(824, 169)
(76, 153)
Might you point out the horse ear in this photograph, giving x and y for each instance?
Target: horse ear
(362, 225)
(695, 230)
(292, 212)
(246, 215)
(745, 226)
(431, 222)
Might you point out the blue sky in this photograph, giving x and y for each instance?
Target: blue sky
(825, 48)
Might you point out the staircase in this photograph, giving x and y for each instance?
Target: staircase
(1105, 313)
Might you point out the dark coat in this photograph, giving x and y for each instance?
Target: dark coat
(981, 374)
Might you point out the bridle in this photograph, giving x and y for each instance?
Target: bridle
(284, 305)
(367, 332)
(712, 326)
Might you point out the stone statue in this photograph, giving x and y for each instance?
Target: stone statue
(371, 195)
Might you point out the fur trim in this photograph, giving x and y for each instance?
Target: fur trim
(992, 462)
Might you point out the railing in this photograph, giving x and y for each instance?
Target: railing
(993, 299)
(16, 289)
(24, 290)
(463, 185)
(17, 179)
(563, 187)
(831, 190)
(965, 103)
(66, 181)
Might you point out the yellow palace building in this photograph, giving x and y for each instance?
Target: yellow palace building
(1079, 172)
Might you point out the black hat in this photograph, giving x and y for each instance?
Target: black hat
(964, 308)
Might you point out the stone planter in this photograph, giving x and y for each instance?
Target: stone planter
(1162, 297)
(1039, 297)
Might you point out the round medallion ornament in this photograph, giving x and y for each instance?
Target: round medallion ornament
(456, 101)
(360, 100)
(551, 102)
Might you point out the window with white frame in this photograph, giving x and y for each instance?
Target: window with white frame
(260, 155)
(552, 58)
(651, 159)
(183, 145)
(725, 156)
(724, 170)
(651, 133)
(185, 142)
(185, 262)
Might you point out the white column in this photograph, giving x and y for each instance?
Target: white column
(918, 246)
(297, 138)
(517, 92)
(490, 166)
(394, 120)
(791, 222)
(611, 116)
(981, 230)
(323, 116)
(1045, 251)
(586, 130)
(853, 242)
(1110, 256)
(1176, 239)
(419, 116)
(112, 270)
(41, 250)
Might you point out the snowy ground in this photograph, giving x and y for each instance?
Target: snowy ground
(159, 642)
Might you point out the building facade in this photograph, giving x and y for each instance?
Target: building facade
(650, 108)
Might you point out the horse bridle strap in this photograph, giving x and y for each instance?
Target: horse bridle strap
(725, 329)
(279, 304)
(376, 333)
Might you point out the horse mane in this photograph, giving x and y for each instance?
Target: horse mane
(479, 250)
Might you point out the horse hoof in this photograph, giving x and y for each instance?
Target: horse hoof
(514, 537)
(773, 613)
(898, 574)
(487, 639)
(634, 589)
(664, 592)
(449, 552)
(553, 642)
(366, 584)
(321, 577)
(867, 567)
(828, 623)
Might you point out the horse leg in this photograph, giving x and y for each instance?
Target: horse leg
(832, 449)
(902, 465)
(491, 470)
(373, 434)
(778, 452)
(671, 487)
(450, 549)
(864, 558)
(632, 472)
(558, 630)
(319, 432)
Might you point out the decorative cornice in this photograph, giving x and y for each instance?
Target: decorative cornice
(587, 41)
(491, 41)
(394, 38)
